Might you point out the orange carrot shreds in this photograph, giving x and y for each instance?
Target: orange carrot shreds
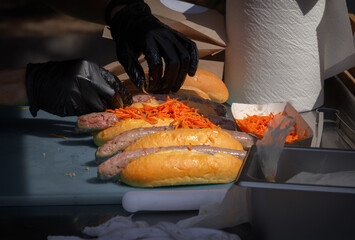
(183, 116)
(144, 91)
(257, 125)
(56, 135)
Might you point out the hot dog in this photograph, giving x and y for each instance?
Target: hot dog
(187, 136)
(180, 167)
(123, 140)
(175, 157)
(114, 165)
(151, 113)
(103, 120)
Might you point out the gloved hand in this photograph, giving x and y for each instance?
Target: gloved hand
(75, 87)
(137, 31)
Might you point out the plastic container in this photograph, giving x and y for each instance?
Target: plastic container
(283, 210)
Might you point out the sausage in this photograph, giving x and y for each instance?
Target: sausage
(95, 121)
(114, 165)
(123, 140)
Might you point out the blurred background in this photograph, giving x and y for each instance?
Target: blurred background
(32, 32)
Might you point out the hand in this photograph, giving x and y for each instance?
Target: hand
(137, 31)
(75, 87)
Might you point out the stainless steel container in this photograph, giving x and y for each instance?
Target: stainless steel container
(282, 210)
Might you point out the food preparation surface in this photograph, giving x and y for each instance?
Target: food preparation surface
(45, 163)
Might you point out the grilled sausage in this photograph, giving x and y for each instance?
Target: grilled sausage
(114, 165)
(95, 121)
(123, 140)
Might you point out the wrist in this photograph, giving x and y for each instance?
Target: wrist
(114, 6)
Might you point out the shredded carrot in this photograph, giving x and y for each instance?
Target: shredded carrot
(143, 90)
(183, 116)
(56, 135)
(190, 147)
(257, 125)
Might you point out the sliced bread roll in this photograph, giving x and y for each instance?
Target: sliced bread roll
(181, 167)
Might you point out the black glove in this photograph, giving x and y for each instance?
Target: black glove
(136, 31)
(73, 88)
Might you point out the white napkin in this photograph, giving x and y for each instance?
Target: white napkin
(231, 212)
(124, 228)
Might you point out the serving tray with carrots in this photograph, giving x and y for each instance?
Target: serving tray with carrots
(254, 119)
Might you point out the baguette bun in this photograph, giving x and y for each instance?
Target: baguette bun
(203, 84)
(180, 167)
(208, 83)
(187, 136)
(193, 91)
(103, 136)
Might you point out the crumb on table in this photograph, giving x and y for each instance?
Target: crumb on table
(70, 174)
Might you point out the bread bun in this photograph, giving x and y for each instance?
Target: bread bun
(187, 136)
(209, 83)
(181, 167)
(203, 84)
(193, 91)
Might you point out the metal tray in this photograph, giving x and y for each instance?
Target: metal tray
(282, 210)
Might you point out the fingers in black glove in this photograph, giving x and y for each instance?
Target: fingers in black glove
(73, 88)
(137, 31)
(155, 65)
(129, 60)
